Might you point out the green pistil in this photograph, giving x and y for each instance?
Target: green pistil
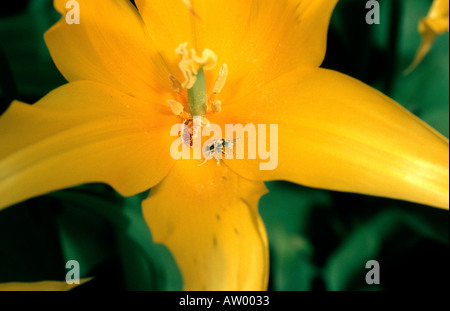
(197, 96)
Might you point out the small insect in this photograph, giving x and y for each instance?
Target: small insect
(216, 149)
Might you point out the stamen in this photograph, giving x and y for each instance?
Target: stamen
(205, 122)
(216, 106)
(176, 85)
(221, 79)
(186, 133)
(175, 106)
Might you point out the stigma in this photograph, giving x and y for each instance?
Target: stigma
(190, 63)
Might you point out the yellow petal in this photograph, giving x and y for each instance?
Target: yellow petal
(169, 25)
(258, 40)
(110, 45)
(337, 133)
(437, 18)
(435, 23)
(82, 132)
(41, 286)
(207, 216)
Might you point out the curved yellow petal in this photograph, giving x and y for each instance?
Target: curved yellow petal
(337, 133)
(82, 132)
(435, 23)
(207, 216)
(437, 18)
(168, 24)
(258, 40)
(109, 45)
(41, 286)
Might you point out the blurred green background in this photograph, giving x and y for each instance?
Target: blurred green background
(319, 240)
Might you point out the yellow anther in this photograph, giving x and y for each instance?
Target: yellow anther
(175, 106)
(191, 63)
(221, 79)
(205, 122)
(176, 85)
(216, 106)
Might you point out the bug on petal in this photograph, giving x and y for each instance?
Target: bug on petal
(216, 149)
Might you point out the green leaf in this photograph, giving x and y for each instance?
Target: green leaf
(120, 233)
(385, 237)
(286, 211)
(22, 38)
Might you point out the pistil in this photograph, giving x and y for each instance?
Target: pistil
(194, 105)
(197, 96)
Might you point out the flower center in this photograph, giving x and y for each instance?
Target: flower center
(195, 102)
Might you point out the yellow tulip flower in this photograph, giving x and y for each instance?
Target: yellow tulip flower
(434, 24)
(134, 72)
